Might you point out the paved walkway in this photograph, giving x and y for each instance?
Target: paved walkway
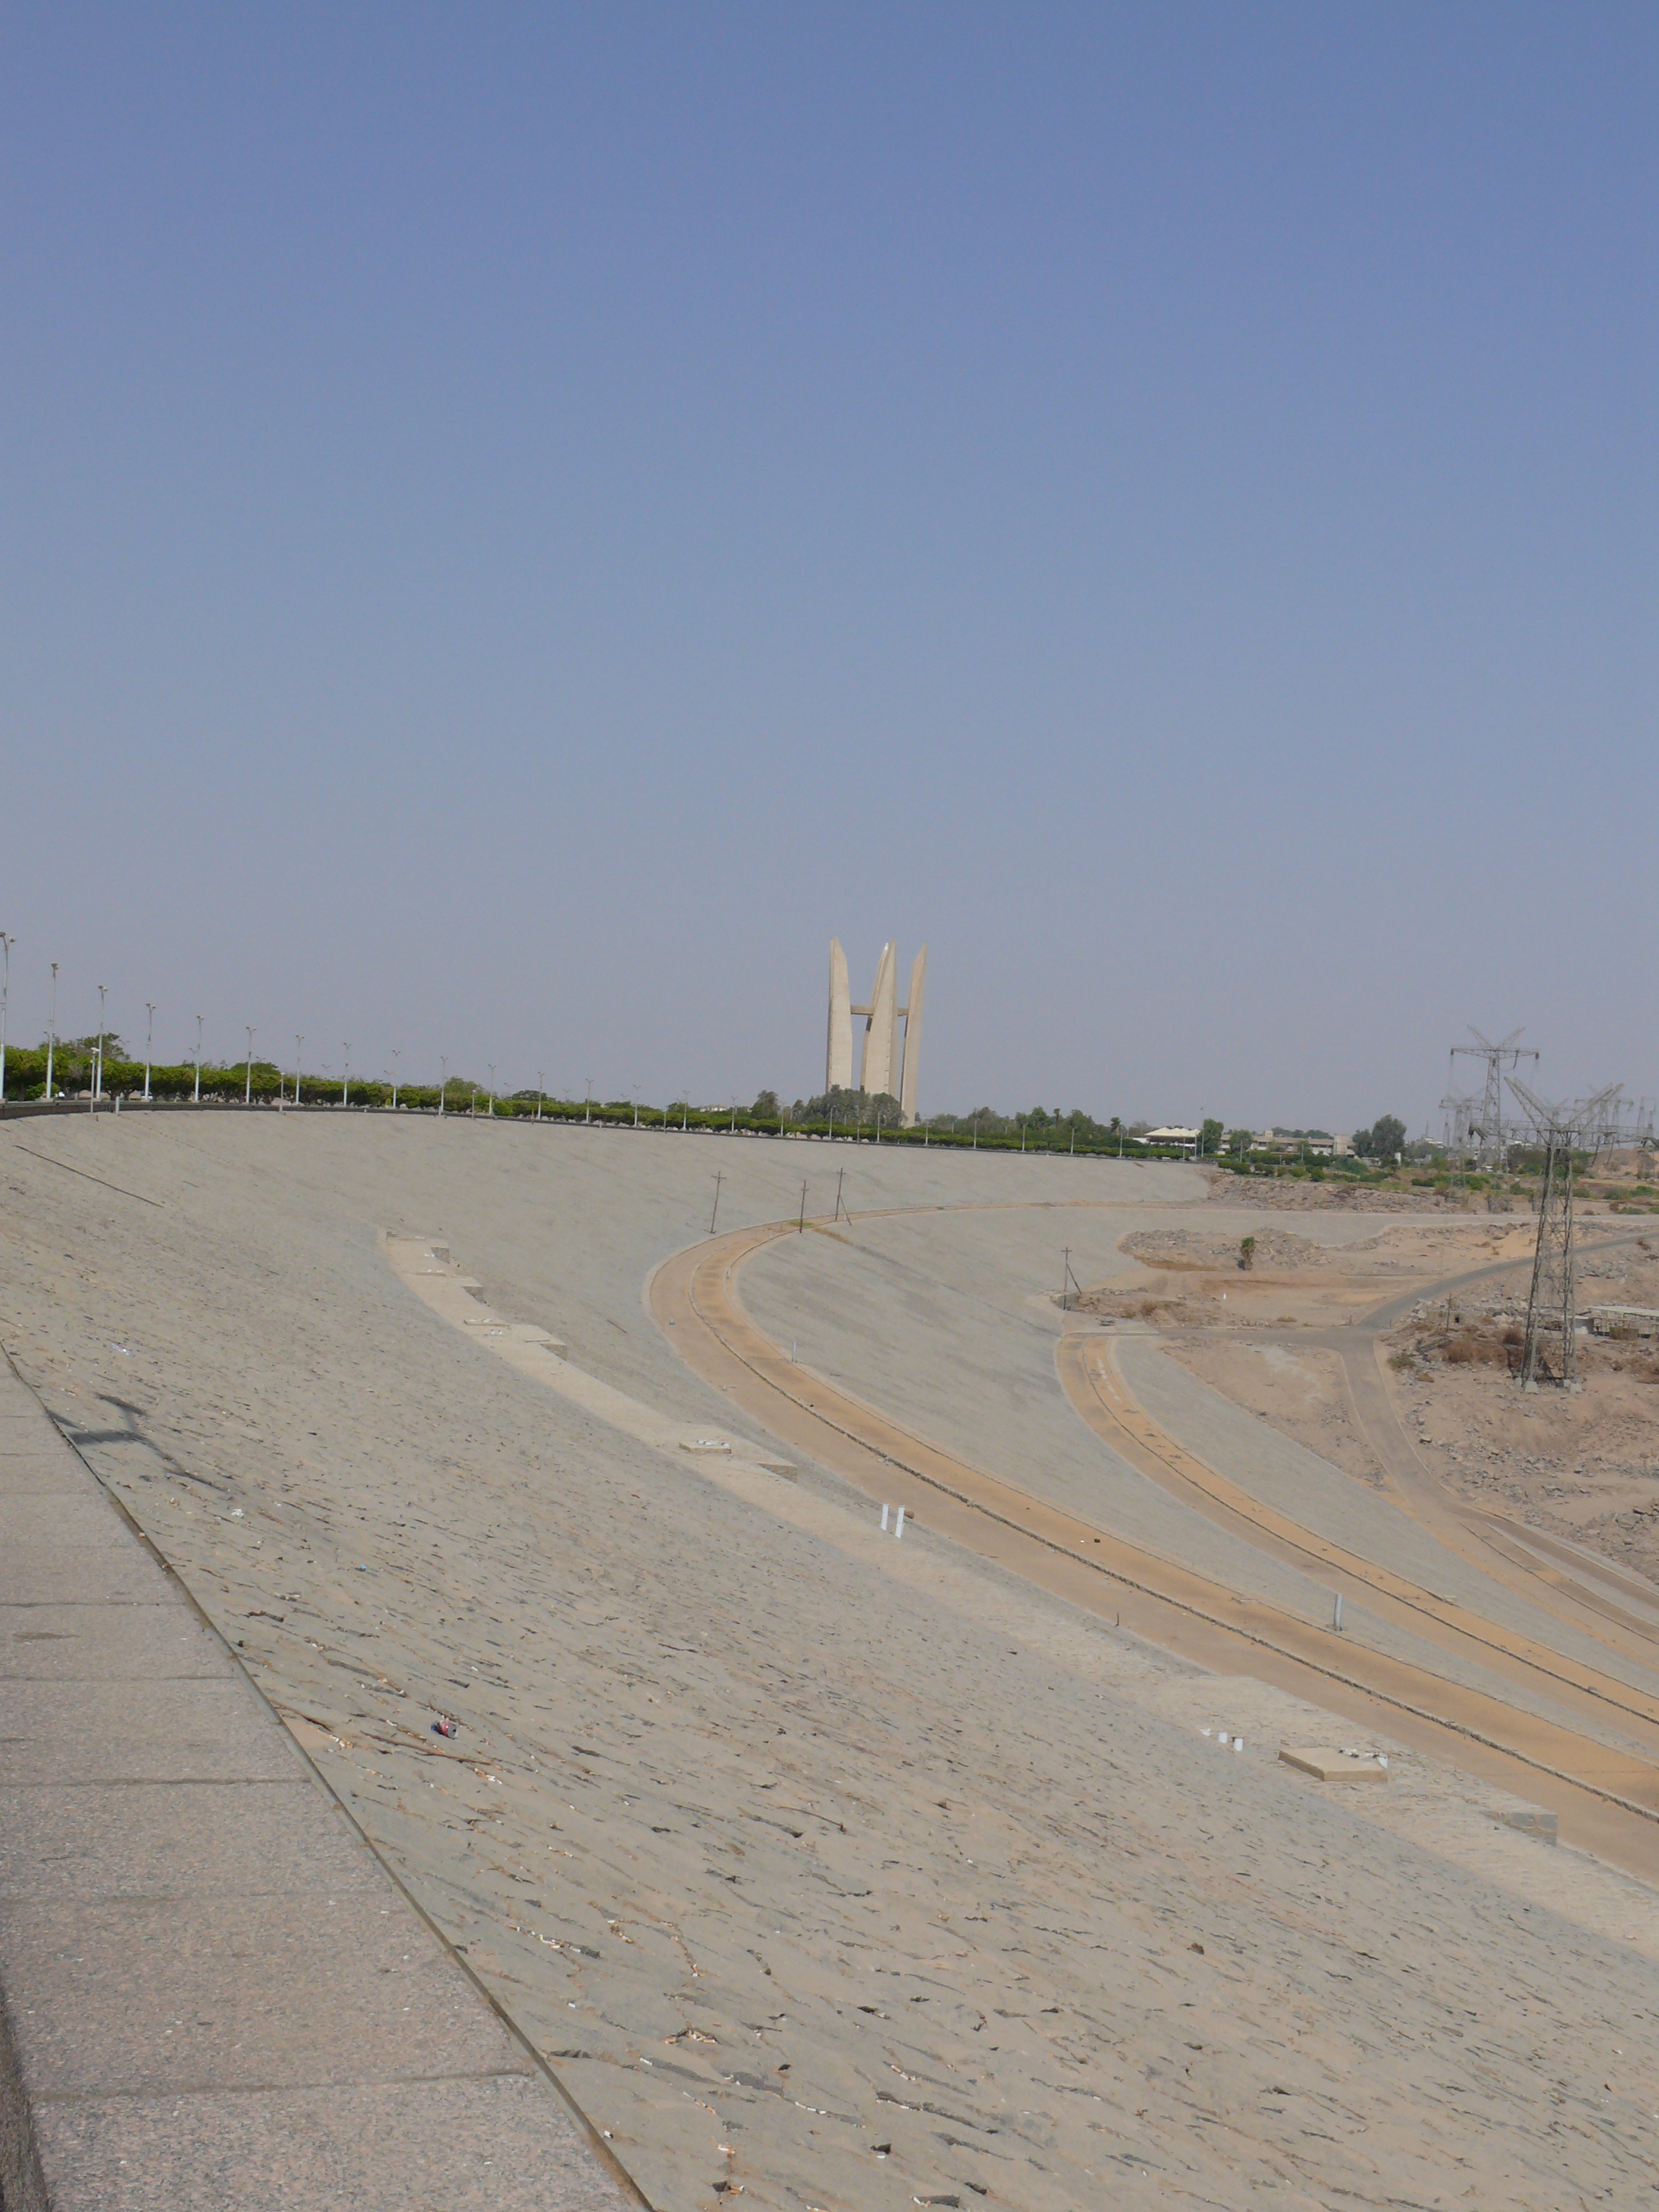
(211, 1992)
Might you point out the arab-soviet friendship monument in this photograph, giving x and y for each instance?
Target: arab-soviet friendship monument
(882, 1017)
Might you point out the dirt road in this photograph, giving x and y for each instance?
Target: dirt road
(1608, 1799)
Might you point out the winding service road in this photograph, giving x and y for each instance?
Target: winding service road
(1606, 1798)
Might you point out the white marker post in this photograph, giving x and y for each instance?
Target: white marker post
(1336, 1612)
(899, 1528)
(885, 1512)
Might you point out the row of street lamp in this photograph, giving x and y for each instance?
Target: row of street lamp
(7, 940)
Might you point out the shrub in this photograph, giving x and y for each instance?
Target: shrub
(1466, 1350)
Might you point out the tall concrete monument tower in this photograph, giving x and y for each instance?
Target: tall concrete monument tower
(882, 1016)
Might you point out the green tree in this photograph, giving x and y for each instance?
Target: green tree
(1385, 1136)
(766, 1107)
(850, 1110)
(1209, 1139)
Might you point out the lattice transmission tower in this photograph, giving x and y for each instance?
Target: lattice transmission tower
(1462, 1111)
(1486, 1126)
(1561, 1132)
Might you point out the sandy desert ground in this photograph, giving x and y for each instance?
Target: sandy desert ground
(1585, 1464)
(890, 1877)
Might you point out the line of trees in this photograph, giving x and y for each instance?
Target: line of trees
(836, 1114)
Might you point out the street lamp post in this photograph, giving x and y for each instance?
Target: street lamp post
(444, 1086)
(198, 1060)
(395, 1057)
(248, 1089)
(98, 1055)
(51, 1031)
(98, 1064)
(6, 944)
(541, 1086)
(299, 1054)
(149, 1038)
(345, 1082)
(587, 1110)
(492, 1086)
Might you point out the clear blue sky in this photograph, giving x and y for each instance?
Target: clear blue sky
(520, 522)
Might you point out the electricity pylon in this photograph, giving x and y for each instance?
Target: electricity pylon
(1551, 1301)
(1461, 1109)
(1487, 1126)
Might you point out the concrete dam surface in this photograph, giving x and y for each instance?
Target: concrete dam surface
(468, 1739)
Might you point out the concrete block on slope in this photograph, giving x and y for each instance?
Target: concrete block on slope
(1530, 1821)
(1326, 1764)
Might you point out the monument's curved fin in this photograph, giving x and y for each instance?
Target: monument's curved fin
(912, 1040)
(877, 1073)
(838, 1057)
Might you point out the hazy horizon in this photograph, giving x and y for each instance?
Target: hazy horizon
(522, 526)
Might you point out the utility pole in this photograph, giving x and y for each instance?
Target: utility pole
(587, 1110)
(345, 1084)
(149, 1036)
(298, 1058)
(541, 1086)
(198, 1100)
(248, 1092)
(395, 1057)
(98, 1064)
(718, 1179)
(492, 1087)
(51, 1031)
(443, 1087)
